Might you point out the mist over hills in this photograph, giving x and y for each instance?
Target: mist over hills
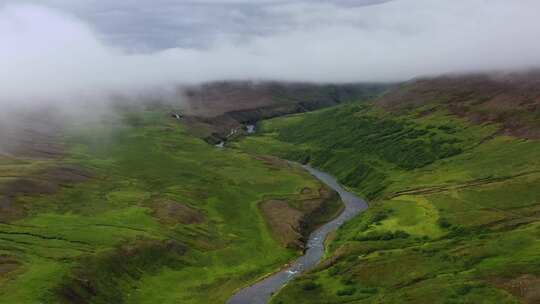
(53, 56)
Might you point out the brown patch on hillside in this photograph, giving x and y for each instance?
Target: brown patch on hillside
(291, 221)
(310, 205)
(45, 182)
(32, 135)
(8, 264)
(284, 221)
(11, 210)
(67, 174)
(273, 162)
(511, 100)
(31, 148)
(525, 287)
(172, 213)
(28, 186)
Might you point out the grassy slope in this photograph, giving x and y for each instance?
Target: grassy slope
(453, 215)
(98, 241)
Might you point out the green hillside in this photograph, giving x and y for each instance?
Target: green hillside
(139, 211)
(453, 212)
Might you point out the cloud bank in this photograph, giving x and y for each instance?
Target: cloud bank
(50, 54)
(145, 26)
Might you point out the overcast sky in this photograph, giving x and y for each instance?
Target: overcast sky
(53, 48)
(143, 26)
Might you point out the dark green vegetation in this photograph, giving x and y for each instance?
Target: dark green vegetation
(453, 212)
(139, 211)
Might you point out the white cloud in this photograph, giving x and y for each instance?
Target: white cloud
(47, 54)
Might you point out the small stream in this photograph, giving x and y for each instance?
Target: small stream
(261, 292)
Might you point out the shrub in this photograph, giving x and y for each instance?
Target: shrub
(401, 234)
(346, 292)
(385, 236)
(334, 271)
(463, 289)
(444, 223)
(310, 286)
(458, 231)
(347, 281)
(369, 290)
(379, 216)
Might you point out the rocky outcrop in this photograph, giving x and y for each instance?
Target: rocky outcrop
(292, 220)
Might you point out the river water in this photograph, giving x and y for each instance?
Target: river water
(260, 292)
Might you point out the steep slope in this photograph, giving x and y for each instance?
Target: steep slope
(454, 200)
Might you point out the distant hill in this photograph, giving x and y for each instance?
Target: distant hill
(217, 98)
(216, 109)
(511, 100)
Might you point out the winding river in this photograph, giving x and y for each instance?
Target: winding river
(261, 292)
